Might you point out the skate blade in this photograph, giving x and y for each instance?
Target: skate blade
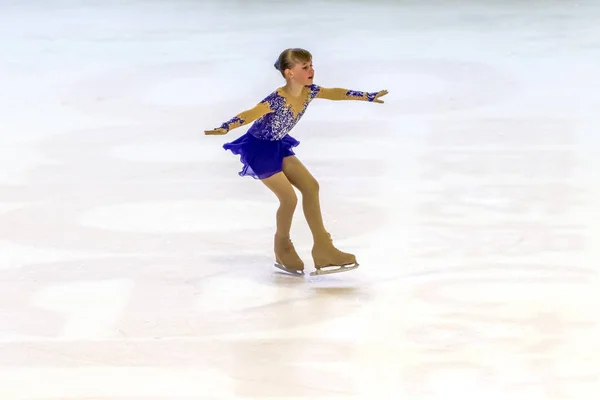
(289, 271)
(334, 270)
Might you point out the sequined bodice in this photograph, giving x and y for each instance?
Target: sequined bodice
(278, 123)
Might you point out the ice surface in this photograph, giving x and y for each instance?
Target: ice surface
(136, 264)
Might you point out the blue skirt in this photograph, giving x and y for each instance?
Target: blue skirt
(261, 158)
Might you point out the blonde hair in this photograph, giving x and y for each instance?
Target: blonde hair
(290, 57)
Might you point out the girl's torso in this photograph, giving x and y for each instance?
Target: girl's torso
(285, 113)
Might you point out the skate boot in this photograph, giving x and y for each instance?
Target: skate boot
(286, 257)
(329, 260)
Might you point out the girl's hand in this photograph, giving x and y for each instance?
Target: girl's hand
(218, 131)
(378, 95)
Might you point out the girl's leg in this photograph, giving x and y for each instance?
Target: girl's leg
(282, 188)
(324, 253)
(300, 177)
(285, 254)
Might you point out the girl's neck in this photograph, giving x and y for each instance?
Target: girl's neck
(294, 90)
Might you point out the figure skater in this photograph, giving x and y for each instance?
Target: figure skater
(266, 154)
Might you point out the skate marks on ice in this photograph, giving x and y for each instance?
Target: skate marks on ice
(504, 302)
(503, 188)
(243, 368)
(160, 297)
(134, 319)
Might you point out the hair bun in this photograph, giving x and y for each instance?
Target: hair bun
(276, 65)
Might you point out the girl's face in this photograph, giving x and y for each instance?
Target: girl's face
(303, 73)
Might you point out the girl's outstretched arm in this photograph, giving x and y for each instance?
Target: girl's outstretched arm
(346, 94)
(243, 118)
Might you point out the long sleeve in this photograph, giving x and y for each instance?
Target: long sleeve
(245, 117)
(344, 94)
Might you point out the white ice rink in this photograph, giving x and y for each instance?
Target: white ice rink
(135, 264)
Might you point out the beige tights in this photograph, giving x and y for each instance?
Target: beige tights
(295, 174)
(282, 184)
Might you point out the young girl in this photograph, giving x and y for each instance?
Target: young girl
(266, 154)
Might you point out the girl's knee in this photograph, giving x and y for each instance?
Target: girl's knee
(290, 200)
(315, 186)
(310, 187)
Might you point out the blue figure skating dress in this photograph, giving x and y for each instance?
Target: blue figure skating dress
(267, 142)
